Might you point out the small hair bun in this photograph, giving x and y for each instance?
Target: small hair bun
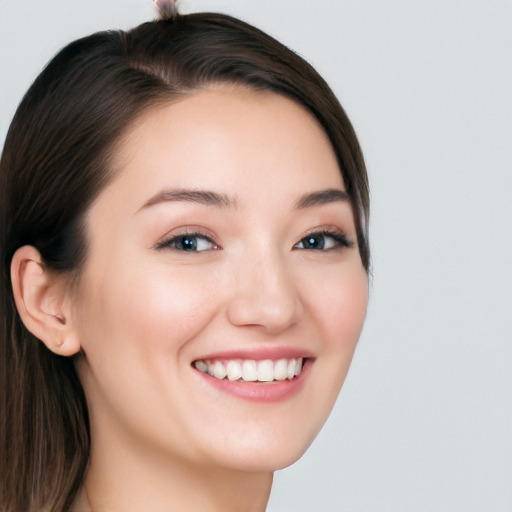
(168, 9)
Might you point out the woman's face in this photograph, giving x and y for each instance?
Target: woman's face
(223, 294)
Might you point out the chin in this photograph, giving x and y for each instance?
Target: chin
(265, 463)
(264, 453)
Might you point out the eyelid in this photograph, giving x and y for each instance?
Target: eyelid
(335, 233)
(331, 232)
(167, 241)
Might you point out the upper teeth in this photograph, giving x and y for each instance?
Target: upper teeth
(250, 370)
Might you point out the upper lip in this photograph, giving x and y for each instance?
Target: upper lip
(259, 353)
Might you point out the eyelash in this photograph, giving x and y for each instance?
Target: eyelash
(340, 241)
(170, 243)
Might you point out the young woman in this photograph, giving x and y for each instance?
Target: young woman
(184, 270)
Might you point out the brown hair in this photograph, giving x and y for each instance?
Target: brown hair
(56, 161)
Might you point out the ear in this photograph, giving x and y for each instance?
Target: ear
(42, 299)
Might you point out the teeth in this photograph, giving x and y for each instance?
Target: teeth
(266, 371)
(280, 369)
(202, 366)
(290, 370)
(219, 370)
(250, 370)
(234, 370)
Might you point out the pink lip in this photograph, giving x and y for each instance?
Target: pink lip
(260, 353)
(259, 392)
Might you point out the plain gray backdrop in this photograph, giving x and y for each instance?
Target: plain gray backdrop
(424, 422)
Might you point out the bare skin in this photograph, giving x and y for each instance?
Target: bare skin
(225, 240)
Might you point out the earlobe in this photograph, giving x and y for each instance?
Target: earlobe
(41, 298)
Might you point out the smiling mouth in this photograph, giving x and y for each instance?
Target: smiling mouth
(251, 370)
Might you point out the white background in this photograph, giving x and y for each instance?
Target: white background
(424, 422)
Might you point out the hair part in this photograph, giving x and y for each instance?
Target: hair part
(57, 159)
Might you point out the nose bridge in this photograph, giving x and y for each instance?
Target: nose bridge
(264, 291)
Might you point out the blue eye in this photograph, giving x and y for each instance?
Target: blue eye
(189, 242)
(323, 241)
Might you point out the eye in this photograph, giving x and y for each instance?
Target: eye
(188, 242)
(323, 241)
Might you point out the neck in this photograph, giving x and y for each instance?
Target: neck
(128, 480)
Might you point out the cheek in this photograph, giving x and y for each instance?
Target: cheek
(340, 310)
(170, 308)
(135, 330)
(151, 307)
(340, 307)
(351, 308)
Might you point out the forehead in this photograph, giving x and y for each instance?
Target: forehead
(228, 137)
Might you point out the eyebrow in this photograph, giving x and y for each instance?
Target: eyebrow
(205, 197)
(329, 195)
(209, 198)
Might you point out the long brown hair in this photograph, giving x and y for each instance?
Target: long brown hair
(56, 161)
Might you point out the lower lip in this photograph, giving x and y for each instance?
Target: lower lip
(275, 391)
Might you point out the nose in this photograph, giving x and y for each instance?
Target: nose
(265, 294)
